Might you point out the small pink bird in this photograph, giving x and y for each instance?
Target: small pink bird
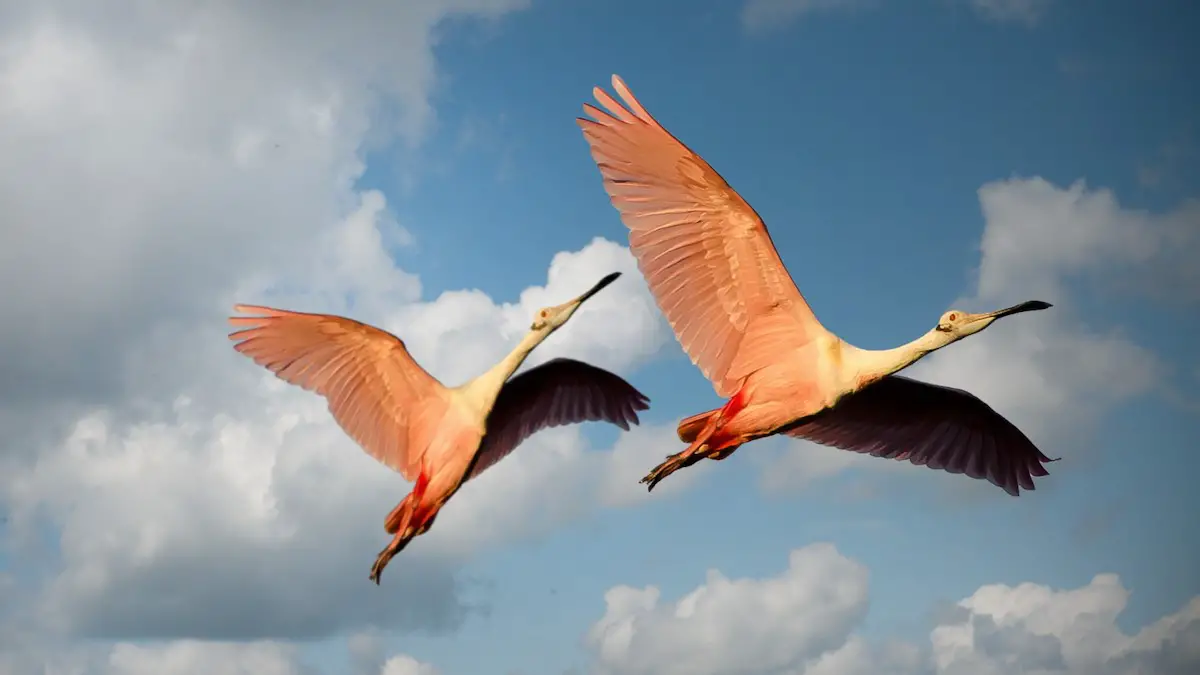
(737, 313)
(436, 436)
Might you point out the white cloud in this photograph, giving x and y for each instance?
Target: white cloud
(1033, 628)
(158, 168)
(154, 162)
(802, 622)
(1040, 236)
(1055, 373)
(407, 665)
(265, 477)
(734, 626)
(763, 15)
(194, 657)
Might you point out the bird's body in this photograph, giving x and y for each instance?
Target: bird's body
(717, 277)
(438, 437)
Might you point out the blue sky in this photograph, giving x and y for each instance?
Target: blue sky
(863, 135)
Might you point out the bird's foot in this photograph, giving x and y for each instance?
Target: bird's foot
(385, 556)
(673, 463)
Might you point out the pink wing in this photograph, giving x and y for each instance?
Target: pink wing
(376, 392)
(704, 251)
(558, 392)
(927, 424)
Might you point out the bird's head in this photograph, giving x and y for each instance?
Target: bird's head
(957, 324)
(550, 319)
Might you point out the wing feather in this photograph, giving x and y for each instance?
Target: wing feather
(556, 393)
(377, 393)
(939, 427)
(705, 253)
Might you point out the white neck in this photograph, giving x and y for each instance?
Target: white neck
(485, 388)
(869, 365)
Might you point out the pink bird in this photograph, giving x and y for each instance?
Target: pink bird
(435, 436)
(717, 277)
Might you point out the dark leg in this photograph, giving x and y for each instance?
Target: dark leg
(674, 462)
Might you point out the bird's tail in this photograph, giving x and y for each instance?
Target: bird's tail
(690, 428)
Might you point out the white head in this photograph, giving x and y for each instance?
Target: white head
(550, 319)
(956, 324)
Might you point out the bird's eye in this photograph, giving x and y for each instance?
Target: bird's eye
(952, 316)
(544, 313)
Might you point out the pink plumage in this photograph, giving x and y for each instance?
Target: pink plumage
(737, 313)
(435, 436)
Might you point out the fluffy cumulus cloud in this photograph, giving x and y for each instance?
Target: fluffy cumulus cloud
(803, 622)
(1055, 373)
(156, 486)
(734, 625)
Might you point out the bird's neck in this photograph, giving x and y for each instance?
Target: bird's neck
(869, 365)
(487, 386)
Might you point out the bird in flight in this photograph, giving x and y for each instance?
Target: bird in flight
(736, 311)
(438, 437)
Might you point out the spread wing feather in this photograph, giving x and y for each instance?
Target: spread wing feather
(556, 393)
(377, 393)
(927, 424)
(705, 253)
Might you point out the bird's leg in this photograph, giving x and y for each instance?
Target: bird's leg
(722, 453)
(675, 462)
(417, 523)
(385, 556)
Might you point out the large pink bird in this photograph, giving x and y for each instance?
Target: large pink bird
(436, 436)
(737, 313)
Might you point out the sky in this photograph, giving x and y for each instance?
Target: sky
(167, 507)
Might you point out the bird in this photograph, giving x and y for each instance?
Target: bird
(436, 437)
(738, 314)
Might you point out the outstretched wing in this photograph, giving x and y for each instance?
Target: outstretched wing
(931, 425)
(558, 392)
(376, 391)
(705, 253)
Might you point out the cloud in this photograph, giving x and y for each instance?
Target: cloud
(1056, 373)
(407, 665)
(154, 162)
(1033, 628)
(733, 626)
(803, 622)
(158, 486)
(1028, 12)
(265, 477)
(193, 657)
(1040, 236)
(765, 15)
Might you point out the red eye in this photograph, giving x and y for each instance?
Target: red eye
(952, 317)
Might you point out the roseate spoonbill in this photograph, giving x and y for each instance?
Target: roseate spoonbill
(436, 436)
(736, 311)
